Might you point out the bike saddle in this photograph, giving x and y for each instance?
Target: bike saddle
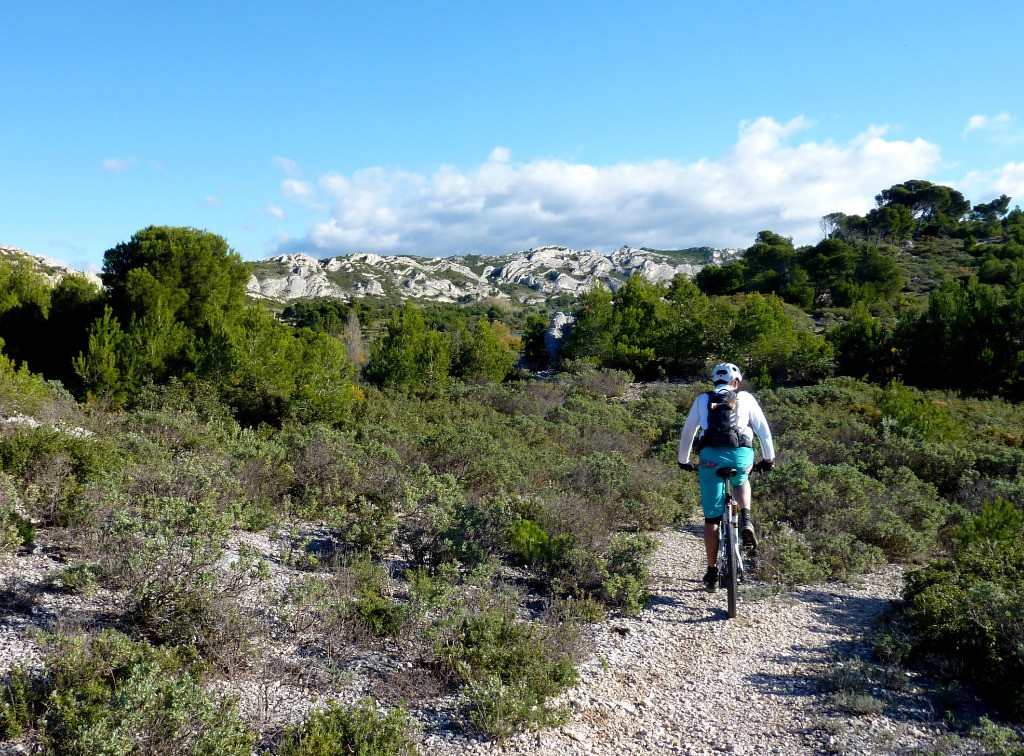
(726, 472)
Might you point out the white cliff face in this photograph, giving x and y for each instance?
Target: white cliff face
(303, 276)
(525, 276)
(557, 332)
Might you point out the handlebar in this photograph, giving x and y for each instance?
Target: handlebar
(758, 467)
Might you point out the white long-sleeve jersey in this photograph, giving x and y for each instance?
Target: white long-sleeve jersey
(750, 419)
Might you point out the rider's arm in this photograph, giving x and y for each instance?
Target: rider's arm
(690, 428)
(760, 425)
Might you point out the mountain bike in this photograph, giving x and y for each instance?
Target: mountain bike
(734, 560)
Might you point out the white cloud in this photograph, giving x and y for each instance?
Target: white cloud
(212, 201)
(297, 189)
(289, 166)
(767, 180)
(1003, 129)
(988, 185)
(988, 123)
(277, 211)
(119, 165)
(1011, 180)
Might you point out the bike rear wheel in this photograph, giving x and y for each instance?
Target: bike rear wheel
(732, 568)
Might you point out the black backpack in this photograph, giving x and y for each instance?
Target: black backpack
(723, 430)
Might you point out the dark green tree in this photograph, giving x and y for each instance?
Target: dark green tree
(863, 345)
(891, 222)
(770, 262)
(175, 291)
(75, 302)
(408, 355)
(716, 280)
(535, 352)
(489, 352)
(195, 274)
(827, 263)
(24, 306)
(695, 328)
(935, 208)
(593, 334)
(639, 319)
(101, 367)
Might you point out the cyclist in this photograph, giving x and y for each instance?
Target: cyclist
(729, 443)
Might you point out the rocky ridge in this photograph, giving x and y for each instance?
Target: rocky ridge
(54, 270)
(527, 277)
(531, 276)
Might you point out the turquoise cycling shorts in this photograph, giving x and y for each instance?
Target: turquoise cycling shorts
(712, 488)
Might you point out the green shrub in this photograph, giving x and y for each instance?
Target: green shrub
(52, 469)
(166, 557)
(360, 731)
(998, 740)
(499, 708)
(83, 579)
(349, 602)
(784, 555)
(907, 412)
(862, 704)
(529, 545)
(511, 668)
(264, 477)
(442, 525)
(625, 587)
(105, 694)
(603, 382)
(965, 614)
(849, 520)
(20, 390)
(382, 616)
(999, 522)
(16, 530)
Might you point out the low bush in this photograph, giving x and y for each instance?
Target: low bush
(165, 555)
(106, 694)
(359, 731)
(964, 615)
(16, 530)
(349, 601)
(510, 669)
(51, 468)
(83, 579)
(849, 520)
(373, 607)
(441, 526)
(785, 556)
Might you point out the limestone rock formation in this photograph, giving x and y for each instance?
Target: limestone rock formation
(530, 276)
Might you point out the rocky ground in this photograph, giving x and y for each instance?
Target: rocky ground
(790, 675)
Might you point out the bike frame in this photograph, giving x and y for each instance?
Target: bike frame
(731, 569)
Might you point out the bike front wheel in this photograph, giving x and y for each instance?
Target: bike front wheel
(732, 567)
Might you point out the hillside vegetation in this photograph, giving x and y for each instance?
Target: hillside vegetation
(391, 479)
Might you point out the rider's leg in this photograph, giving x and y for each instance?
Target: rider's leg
(711, 542)
(712, 498)
(742, 495)
(747, 534)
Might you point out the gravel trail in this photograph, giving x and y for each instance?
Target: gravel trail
(683, 678)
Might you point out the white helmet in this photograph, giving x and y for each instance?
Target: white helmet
(726, 371)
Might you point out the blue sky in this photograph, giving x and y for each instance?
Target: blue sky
(456, 127)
